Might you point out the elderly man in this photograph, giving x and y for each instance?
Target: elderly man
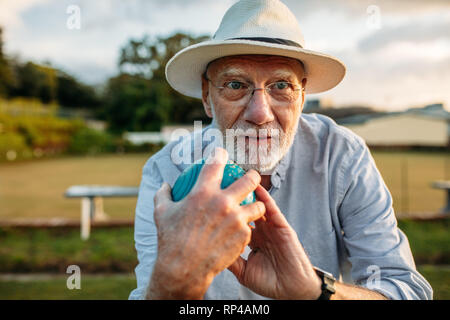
(323, 226)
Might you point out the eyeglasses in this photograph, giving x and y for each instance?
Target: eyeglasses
(281, 91)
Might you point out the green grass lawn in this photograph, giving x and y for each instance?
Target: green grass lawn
(105, 287)
(118, 287)
(34, 189)
(111, 250)
(439, 278)
(52, 250)
(429, 241)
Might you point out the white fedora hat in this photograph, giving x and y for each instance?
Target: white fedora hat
(265, 27)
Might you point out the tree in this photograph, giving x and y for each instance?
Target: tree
(128, 104)
(35, 81)
(7, 80)
(148, 58)
(73, 94)
(140, 98)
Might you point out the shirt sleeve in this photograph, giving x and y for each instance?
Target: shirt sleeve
(145, 233)
(378, 251)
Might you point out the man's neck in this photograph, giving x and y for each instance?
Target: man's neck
(265, 181)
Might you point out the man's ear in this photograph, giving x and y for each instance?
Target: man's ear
(205, 97)
(303, 92)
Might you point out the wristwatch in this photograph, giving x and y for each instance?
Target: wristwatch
(327, 284)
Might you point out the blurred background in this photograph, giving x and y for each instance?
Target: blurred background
(84, 101)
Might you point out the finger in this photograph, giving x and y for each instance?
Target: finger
(273, 213)
(253, 211)
(162, 198)
(212, 170)
(240, 188)
(258, 238)
(261, 220)
(163, 194)
(238, 268)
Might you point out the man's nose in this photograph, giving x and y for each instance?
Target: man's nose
(258, 110)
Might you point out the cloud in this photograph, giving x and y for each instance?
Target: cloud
(39, 32)
(155, 15)
(409, 6)
(389, 81)
(355, 7)
(408, 54)
(416, 31)
(10, 12)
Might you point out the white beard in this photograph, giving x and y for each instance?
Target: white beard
(263, 156)
(247, 153)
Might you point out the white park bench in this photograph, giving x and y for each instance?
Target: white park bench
(92, 202)
(444, 185)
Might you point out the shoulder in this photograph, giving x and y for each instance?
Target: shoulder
(173, 158)
(325, 144)
(154, 162)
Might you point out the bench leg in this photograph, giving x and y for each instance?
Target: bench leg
(446, 210)
(99, 213)
(85, 217)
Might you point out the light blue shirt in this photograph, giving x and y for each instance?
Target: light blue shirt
(334, 197)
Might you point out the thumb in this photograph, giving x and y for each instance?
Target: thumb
(273, 213)
(238, 269)
(162, 198)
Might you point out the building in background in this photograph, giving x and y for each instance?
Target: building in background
(416, 127)
(166, 135)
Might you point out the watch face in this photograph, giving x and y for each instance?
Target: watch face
(329, 284)
(328, 281)
(320, 271)
(330, 276)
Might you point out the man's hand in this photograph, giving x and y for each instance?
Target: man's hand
(202, 234)
(277, 267)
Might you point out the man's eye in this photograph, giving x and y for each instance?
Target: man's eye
(235, 85)
(281, 85)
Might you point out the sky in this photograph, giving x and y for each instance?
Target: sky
(397, 52)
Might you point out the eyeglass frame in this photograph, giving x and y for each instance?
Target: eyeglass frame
(266, 89)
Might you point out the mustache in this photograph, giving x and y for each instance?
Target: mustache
(247, 130)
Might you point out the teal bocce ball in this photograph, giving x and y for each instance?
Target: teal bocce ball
(188, 177)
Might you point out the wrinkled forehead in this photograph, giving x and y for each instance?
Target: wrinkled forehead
(249, 63)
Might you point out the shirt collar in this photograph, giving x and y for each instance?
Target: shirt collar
(279, 173)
